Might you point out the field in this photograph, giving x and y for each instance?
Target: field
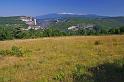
(49, 59)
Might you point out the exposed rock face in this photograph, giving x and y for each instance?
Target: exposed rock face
(81, 26)
(28, 20)
(31, 22)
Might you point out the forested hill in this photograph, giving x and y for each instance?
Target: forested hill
(12, 27)
(104, 23)
(11, 22)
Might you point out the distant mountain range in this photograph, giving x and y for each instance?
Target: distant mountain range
(68, 15)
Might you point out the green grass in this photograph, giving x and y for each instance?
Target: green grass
(54, 59)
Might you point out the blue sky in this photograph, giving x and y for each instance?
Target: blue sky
(41, 7)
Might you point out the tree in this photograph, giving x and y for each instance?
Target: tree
(122, 29)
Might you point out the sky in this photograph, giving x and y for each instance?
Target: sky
(42, 7)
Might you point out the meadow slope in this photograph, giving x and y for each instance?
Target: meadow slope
(49, 56)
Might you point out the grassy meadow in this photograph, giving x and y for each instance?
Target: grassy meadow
(54, 59)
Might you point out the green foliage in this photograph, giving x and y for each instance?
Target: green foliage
(18, 33)
(52, 32)
(105, 23)
(12, 22)
(14, 51)
(80, 74)
(115, 31)
(6, 34)
(107, 72)
(119, 63)
(11, 28)
(122, 29)
(6, 79)
(60, 76)
(5, 52)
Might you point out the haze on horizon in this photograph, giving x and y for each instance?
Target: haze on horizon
(41, 7)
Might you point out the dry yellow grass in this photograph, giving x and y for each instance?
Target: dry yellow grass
(50, 55)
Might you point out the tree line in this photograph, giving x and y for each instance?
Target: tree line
(17, 33)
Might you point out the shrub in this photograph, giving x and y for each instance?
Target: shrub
(16, 51)
(108, 72)
(119, 63)
(5, 52)
(80, 74)
(97, 43)
(60, 76)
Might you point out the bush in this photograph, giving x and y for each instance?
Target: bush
(108, 72)
(80, 74)
(5, 52)
(60, 76)
(97, 43)
(119, 63)
(15, 51)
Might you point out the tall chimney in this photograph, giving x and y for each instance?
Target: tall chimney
(35, 22)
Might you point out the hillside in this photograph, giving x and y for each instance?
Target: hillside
(19, 27)
(62, 21)
(64, 59)
(12, 22)
(103, 23)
